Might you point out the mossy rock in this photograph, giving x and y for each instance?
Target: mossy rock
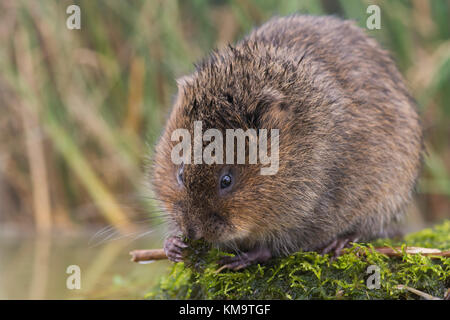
(308, 275)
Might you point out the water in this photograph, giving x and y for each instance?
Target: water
(35, 267)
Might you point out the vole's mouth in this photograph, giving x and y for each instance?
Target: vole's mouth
(193, 233)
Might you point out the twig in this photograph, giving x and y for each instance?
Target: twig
(447, 295)
(147, 255)
(159, 254)
(424, 295)
(397, 251)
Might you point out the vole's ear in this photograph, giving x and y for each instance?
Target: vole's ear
(268, 109)
(184, 82)
(185, 100)
(274, 97)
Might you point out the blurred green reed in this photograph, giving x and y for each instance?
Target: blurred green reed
(81, 109)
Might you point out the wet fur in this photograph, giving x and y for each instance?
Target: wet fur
(350, 139)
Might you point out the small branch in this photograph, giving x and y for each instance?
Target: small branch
(147, 255)
(424, 295)
(397, 251)
(159, 254)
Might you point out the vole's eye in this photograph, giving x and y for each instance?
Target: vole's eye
(225, 181)
(180, 175)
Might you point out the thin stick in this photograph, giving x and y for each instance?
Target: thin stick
(424, 295)
(397, 251)
(147, 255)
(159, 254)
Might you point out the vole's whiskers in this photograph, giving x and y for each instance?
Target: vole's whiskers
(140, 228)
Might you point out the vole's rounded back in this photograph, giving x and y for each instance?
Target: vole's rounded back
(350, 140)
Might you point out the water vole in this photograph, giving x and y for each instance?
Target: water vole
(350, 143)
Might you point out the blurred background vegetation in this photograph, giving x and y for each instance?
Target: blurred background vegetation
(81, 109)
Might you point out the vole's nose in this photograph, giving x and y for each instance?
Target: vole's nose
(194, 233)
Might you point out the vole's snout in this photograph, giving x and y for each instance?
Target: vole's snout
(193, 233)
(191, 228)
(209, 227)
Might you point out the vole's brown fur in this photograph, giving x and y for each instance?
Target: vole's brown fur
(350, 140)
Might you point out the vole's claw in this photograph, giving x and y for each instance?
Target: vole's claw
(238, 264)
(246, 259)
(329, 247)
(226, 260)
(179, 243)
(173, 247)
(337, 245)
(235, 263)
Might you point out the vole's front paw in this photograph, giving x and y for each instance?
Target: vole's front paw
(173, 247)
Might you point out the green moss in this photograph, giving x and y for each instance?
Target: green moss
(308, 275)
